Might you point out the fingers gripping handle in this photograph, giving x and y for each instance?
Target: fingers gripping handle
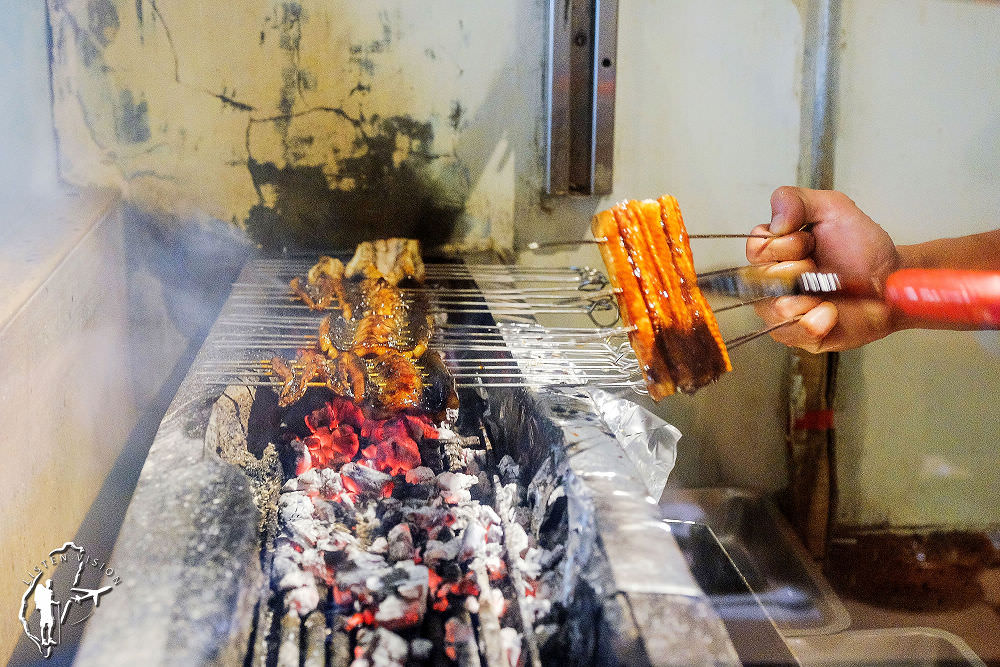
(945, 295)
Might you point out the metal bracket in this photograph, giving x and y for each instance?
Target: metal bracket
(583, 59)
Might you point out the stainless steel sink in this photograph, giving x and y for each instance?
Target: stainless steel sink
(767, 555)
(912, 647)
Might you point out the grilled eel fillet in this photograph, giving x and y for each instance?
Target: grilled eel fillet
(323, 286)
(401, 383)
(394, 260)
(392, 382)
(389, 323)
(675, 336)
(345, 375)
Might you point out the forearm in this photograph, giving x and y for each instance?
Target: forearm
(978, 252)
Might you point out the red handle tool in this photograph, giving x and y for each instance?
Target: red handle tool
(946, 295)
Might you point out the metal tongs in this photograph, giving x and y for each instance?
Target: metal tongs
(942, 295)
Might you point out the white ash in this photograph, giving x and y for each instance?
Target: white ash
(294, 506)
(473, 541)
(445, 433)
(358, 566)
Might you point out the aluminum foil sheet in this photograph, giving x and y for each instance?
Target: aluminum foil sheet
(649, 442)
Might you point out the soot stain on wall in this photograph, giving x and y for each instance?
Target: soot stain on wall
(102, 18)
(373, 194)
(131, 119)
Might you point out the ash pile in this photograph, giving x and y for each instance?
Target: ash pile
(400, 542)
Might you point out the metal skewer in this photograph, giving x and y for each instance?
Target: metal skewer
(502, 354)
(535, 245)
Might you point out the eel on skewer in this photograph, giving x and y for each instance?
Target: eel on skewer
(323, 286)
(346, 375)
(672, 329)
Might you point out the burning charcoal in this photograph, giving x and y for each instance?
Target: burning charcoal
(455, 455)
(294, 506)
(300, 456)
(455, 487)
(400, 541)
(364, 481)
(473, 541)
(302, 599)
(443, 534)
(379, 545)
(394, 455)
(381, 648)
(420, 649)
(419, 475)
(306, 481)
(460, 640)
(435, 552)
(510, 640)
(332, 447)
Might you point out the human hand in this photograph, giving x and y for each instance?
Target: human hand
(842, 240)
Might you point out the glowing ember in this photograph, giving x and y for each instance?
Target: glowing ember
(339, 432)
(389, 541)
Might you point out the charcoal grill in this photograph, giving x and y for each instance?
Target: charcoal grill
(196, 548)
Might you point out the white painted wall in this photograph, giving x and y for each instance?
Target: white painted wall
(919, 150)
(27, 141)
(707, 110)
